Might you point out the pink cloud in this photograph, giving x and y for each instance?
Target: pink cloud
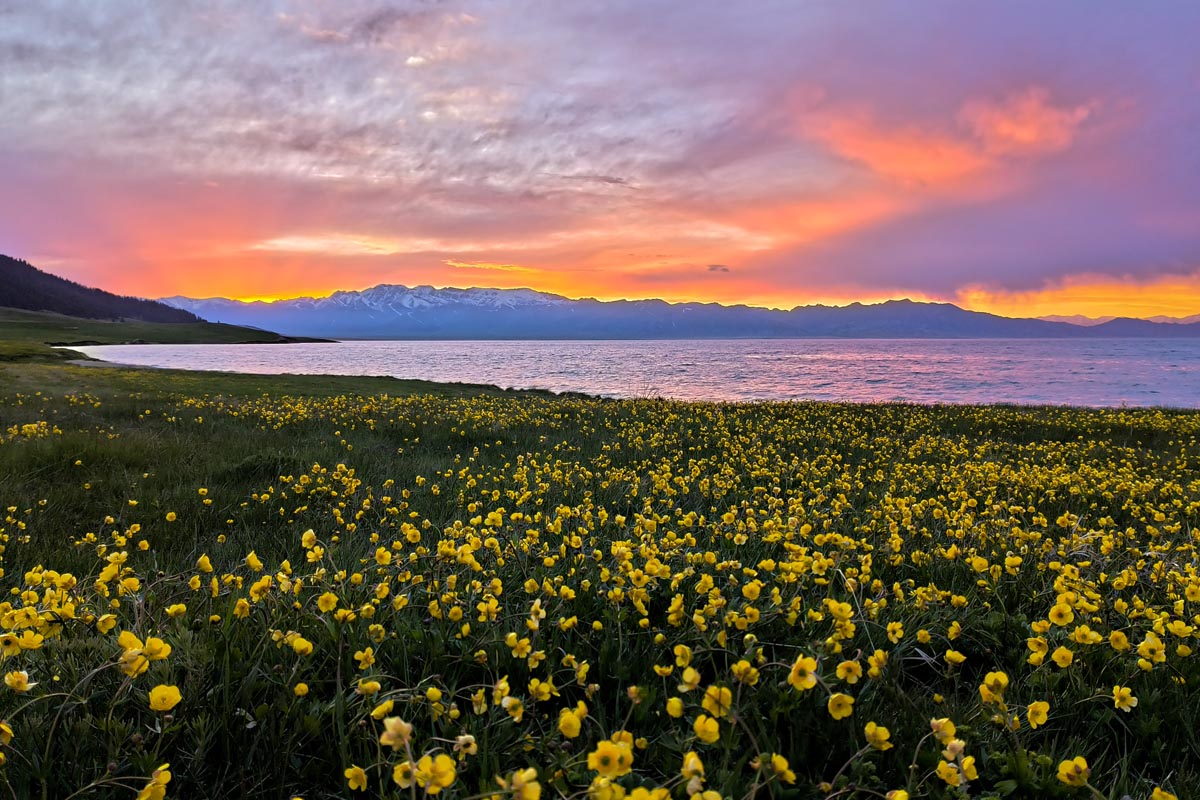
(1024, 123)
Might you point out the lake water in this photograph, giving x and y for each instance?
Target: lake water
(1098, 372)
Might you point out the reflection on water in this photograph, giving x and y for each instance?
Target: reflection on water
(1102, 372)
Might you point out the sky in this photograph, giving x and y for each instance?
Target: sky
(1024, 158)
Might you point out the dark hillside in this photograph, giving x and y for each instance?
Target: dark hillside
(26, 287)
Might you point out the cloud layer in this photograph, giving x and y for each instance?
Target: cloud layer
(773, 153)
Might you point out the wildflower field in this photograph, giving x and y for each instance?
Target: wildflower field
(220, 586)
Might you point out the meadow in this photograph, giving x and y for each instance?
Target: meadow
(24, 335)
(238, 586)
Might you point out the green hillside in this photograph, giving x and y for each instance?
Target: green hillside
(28, 335)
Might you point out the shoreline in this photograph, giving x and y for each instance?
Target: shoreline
(461, 385)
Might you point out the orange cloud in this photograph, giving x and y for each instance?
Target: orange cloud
(488, 266)
(1093, 296)
(906, 154)
(814, 219)
(1024, 123)
(984, 132)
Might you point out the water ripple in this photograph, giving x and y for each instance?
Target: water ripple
(1098, 372)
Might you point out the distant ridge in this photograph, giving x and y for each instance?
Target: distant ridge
(1079, 319)
(26, 287)
(424, 312)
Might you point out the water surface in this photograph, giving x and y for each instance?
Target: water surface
(1095, 372)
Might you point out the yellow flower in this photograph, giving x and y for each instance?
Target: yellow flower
(877, 736)
(300, 689)
(137, 655)
(172, 516)
(949, 773)
(954, 658)
(164, 698)
(840, 705)
(849, 671)
(943, 729)
(803, 674)
(365, 658)
(745, 672)
(18, 681)
(707, 729)
(1162, 794)
(514, 707)
(689, 680)
(1123, 698)
(520, 647)
(1151, 651)
(717, 701)
(356, 778)
(683, 655)
(675, 707)
(204, 563)
(1063, 657)
(876, 661)
(1074, 772)
(991, 691)
(522, 785)
(778, 765)
(368, 688)
(542, 691)
(327, 602)
(156, 789)
(1038, 713)
(611, 759)
(396, 733)
(568, 723)
(6, 733)
(896, 794)
(1061, 614)
(434, 773)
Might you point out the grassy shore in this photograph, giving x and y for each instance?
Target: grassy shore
(592, 595)
(30, 336)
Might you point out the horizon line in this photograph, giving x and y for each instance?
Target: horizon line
(1063, 318)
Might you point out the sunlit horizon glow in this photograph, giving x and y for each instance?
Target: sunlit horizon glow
(1009, 157)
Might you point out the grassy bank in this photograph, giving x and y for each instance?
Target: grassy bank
(27, 336)
(591, 590)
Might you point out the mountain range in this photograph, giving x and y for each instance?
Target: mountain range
(424, 312)
(1079, 319)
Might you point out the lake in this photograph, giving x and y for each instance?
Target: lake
(1096, 372)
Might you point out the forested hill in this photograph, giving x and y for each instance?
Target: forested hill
(24, 286)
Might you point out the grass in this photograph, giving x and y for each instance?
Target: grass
(27, 335)
(470, 547)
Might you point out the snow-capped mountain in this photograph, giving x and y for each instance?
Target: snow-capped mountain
(383, 311)
(424, 312)
(387, 298)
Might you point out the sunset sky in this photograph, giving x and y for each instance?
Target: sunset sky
(1025, 158)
